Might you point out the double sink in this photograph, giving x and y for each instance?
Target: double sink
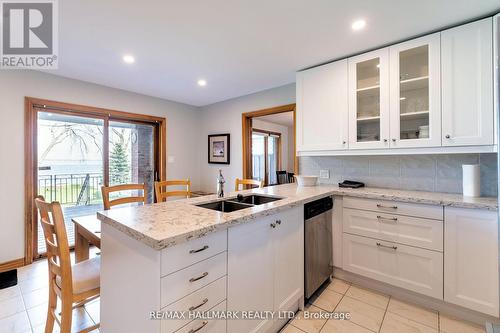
(240, 202)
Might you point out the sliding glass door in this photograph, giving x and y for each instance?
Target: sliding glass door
(265, 156)
(79, 153)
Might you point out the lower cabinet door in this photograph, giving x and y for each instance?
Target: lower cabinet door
(288, 240)
(471, 259)
(250, 284)
(403, 266)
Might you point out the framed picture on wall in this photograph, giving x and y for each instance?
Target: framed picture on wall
(218, 149)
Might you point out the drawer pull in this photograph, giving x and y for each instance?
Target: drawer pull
(199, 277)
(199, 250)
(273, 225)
(395, 219)
(388, 247)
(391, 207)
(193, 330)
(194, 307)
(278, 222)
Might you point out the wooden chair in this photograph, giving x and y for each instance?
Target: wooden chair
(254, 182)
(106, 190)
(161, 189)
(75, 284)
(282, 177)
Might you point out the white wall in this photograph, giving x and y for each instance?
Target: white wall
(182, 142)
(283, 130)
(225, 117)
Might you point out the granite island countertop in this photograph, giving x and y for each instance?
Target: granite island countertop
(167, 224)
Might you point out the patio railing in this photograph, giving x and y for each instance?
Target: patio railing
(71, 189)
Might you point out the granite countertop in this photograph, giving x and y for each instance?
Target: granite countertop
(166, 224)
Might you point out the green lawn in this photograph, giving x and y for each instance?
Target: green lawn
(68, 194)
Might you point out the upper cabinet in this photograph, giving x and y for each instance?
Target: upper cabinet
(415, 93)
(322, 108)
(369, 100)
(434, 93)
(467, 84)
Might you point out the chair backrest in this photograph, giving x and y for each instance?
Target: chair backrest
(291, 178)
(254, 182)
(106, 190)
(281, 177)
(161, 189)
(56, 240)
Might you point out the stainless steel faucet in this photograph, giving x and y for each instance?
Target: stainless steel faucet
(220, 184)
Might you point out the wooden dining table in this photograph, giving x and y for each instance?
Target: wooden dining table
(87, 232)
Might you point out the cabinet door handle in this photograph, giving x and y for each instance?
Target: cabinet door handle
(199, 277)
(273, 225)
(391, 207)
(385, 140)
(199, 250)
(194, 307)
(278, 222)
(193, 330)
(447, 136)
(387, 247)
(387, 218)
(393, 140)
(344, 142)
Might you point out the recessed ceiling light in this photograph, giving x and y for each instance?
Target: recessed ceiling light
(128, 59)
(202, 82)
(358, 25)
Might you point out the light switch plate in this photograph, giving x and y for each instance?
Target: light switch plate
(171, 159)
(325, 174)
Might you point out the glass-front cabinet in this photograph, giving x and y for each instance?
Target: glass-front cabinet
(369, 100)
(415, 96)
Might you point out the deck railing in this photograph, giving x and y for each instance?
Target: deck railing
(71, 189)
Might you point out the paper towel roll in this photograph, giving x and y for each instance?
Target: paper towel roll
(471, 180)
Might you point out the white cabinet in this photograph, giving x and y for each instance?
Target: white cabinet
(404, 266)
(369, 100)
(265, 268)
(467, 84)
(322, 108)
(415, 98)
(471, 259)
(250, 273)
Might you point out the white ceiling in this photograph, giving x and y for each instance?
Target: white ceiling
(238, 46)
(284, 118)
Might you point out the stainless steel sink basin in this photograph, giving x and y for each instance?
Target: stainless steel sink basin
(240, 202)
(225, 206)
(256, 199)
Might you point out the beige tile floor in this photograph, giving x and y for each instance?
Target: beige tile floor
(372, 312)
(23, 310)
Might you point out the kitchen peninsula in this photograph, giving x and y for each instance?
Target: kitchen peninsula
(180, 256)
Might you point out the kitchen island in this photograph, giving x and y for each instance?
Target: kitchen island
(177, 256)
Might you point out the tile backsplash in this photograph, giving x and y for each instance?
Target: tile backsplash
(434, 173)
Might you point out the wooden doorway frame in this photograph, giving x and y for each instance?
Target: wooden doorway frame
(35, 105)
(246, 121)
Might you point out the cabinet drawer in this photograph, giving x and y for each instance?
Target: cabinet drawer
(395, 207)
(401, 229)
(183, 255)
(204, 326)
(201, 300)
(181, 283)
(403, 266)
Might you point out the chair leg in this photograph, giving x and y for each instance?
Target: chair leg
(66, 316)
(49, 324)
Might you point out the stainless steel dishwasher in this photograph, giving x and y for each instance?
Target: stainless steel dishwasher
(318, 244)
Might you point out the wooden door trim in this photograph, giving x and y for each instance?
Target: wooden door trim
(246, 118)
(32, 107)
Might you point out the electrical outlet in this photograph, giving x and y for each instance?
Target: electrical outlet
(325, 174)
